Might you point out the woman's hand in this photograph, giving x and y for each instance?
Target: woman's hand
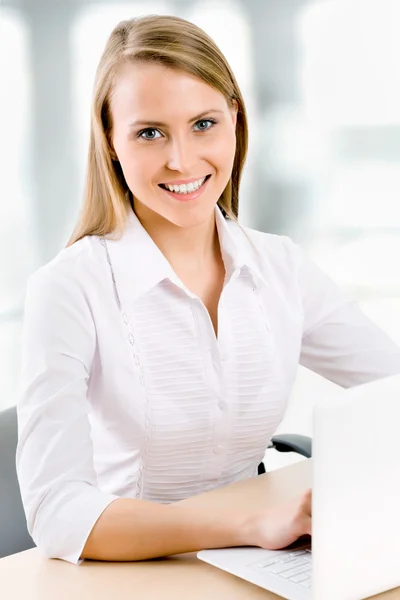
(279, 527)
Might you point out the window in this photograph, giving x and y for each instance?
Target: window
(17, 248)
(350, 86)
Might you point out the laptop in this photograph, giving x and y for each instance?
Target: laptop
(355, 550)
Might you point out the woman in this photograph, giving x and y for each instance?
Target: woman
(161, 345)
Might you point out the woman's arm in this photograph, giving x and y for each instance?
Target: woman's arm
(131, 529)
(349, 349)
(54, 457)
(339, 341)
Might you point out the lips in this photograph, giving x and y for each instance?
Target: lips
(185, 197)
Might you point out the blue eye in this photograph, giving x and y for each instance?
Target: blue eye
(142, 133)
(202, 121)
(150, 133)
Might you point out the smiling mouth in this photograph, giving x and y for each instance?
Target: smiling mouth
(185, 188)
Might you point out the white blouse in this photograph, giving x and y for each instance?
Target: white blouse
(127, 392)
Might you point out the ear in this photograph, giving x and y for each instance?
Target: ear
(110, 145)
(234, 108)
(113, 154)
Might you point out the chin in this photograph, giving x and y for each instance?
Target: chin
(185, 215)
(191, 218)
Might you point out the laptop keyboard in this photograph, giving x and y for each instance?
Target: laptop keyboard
(292, 565)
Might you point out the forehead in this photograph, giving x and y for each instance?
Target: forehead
(145, 90)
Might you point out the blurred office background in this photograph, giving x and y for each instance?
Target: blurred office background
(322, 86)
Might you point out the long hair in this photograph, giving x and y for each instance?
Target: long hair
(175, 43)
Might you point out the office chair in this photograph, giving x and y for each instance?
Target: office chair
(289, 442)
(14, 536)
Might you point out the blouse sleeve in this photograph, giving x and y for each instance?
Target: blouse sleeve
(339, 341)
(54, 454)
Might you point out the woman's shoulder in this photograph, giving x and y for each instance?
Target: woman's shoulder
(72, 264)
(272, 242)
(270, 249)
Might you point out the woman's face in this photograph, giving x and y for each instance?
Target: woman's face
(171, 128)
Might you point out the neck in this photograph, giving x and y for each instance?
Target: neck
(189, 249)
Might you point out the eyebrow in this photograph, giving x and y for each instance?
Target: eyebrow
(160, 124)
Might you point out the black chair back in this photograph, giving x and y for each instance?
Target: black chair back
(14, 536)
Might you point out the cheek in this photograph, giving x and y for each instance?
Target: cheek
(136, 166)
(223, 150)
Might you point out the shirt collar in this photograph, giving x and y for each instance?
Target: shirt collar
(139, 265)
(238, 250)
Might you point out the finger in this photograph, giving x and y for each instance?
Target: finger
(308, 526)
(306, 502)
(309, 502)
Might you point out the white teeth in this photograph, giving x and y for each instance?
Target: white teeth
(186, 188)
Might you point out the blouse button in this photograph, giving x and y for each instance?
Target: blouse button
(218, 449)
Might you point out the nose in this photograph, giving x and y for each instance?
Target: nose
(180, 155)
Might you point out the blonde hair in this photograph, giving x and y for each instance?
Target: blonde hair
(175, 43)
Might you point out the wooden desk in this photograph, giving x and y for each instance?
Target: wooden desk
(29, 576)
